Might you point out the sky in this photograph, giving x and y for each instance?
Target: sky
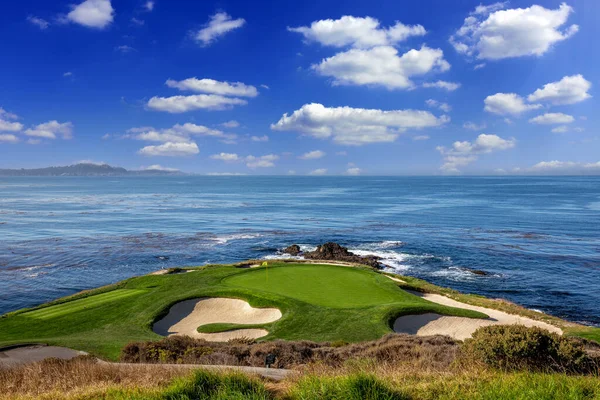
(432, 87)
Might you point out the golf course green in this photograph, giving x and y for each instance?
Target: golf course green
(317, 302)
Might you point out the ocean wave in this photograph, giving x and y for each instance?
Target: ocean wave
(241, 236)
(392, 259)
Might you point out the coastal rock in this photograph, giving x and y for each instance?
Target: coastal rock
(334, 252)
(476, 271)
(292, 250)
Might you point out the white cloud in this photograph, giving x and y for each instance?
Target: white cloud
(266, 161)
(177, 133)
(493, 33)
(449, 86)
(312, 155)
(464, 153)
(217, 26)
(8, 138)
(569, 90)
(357, 32)
(353, 171)
(319, 171)
(39, 22)
(51, 129)
(420, 138)
(355, 126)
(231, 124)
(158, 167)
(291, 172)
(9, 115)
(557, 167)
(171, 149)
(68, 74)
(507, 104)
(92, 13)
(225, 174)
(181, 104)
(381, 66)
(7, 126)
(125, 49)
(214, 87)
(106, 136)
(478, 66)
(436, 104)
(552, 118)
(473, 126)
(561, 129)
(149, 5)
(138, 22)
(34, 141)
(228, 157)
(263, 138)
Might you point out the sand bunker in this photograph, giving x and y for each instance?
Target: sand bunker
(33, 353)
(459, 327)
(185, 317)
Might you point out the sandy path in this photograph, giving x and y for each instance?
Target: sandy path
(185, 317)
(459, 327)
(29, 354)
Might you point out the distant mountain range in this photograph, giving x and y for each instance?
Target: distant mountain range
(86, 169)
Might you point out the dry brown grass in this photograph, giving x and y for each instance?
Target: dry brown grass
(53, 378)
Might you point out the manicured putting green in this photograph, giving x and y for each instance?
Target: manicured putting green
(82, 304)
(327, 286)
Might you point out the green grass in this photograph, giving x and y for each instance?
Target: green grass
(326, 286)
(318, 302)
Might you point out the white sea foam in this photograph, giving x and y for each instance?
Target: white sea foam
(240, 236)
(395, 260)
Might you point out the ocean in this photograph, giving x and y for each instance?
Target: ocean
(538, 238)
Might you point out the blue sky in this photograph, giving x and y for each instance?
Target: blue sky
(386, 87)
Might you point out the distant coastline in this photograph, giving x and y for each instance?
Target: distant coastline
(86, 169)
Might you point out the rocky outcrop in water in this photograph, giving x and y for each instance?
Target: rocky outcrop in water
(334, 252)
(292, 250)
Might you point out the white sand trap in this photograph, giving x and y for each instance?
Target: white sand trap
(459, 327)
(185, 317)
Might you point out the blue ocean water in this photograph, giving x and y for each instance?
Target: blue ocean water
(538, 237)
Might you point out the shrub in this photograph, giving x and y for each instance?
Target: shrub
(352, 387)
(516, 347)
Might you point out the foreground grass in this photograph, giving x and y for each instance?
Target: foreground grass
(79, 380)
(318, 303)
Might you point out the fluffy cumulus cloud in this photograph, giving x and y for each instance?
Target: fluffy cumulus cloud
(231, 124)
(8, 138)
(10, 126)
(263, 138)
(353, 171)
(557, 167)
(253, 162)
(7, 115)
(473, 126)
(569, 90)
(171, 149)
(508, 104)
(265, 161)
(493, 32)
(217, 26)
(149, 5)
(355, 126)
(228, 157)
(92, 14)
(438, 104)
(552, 119)
(381, 66)
(214, 87)
(318, 171)
(449, 86)
(312, 155)
(464, 153)
(51, 130)
(357, 32)
(181, 104)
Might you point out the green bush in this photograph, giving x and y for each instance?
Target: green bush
(353, 387)
(516, 347)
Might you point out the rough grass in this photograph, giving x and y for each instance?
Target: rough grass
(359, 380)
(103, 321)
